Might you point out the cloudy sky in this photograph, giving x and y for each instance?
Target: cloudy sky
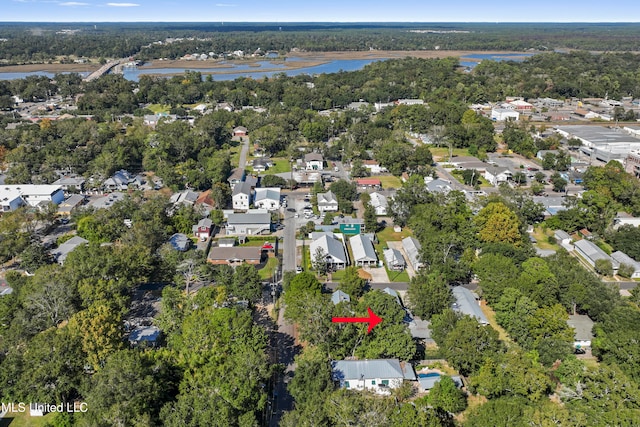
(316, 11)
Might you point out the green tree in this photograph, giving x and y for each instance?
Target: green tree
(558, 182)
(498, 224)
(351, 283)
(429, 294)
(445, 395)
(604, 267)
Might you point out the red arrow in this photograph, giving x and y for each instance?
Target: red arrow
(372, 320)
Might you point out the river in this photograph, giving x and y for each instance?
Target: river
(246, 70)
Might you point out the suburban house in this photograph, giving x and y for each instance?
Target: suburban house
(377, 375)
(332, 249)
(241, 196)
(236, 177)
(205, 202)
(313, 162)
(121, 181)
(61, 252)
(379, 203)
(70, 183)
(521, 105)
(621, 220)
(267, 198)
(437, 185)
(186, 197)
(68, 206)
(467, 304)
(338, 296)
(235, 255)
(394, 259)
(261, 164)
(240, 131)
(202, 230)
(107, 201)
(583, 327)
(248, 223)
(180, 242)
(327, 202)
(562, 237)
(497, 175)
(592, 253)
(624, 259)
(306, 178)
(373, 166)
(17, 195)
(412, 248)
(364, 254)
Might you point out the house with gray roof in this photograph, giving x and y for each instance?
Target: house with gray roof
(379, 202)
(394, 259)
(437, 185)
(186, 197)
(377, 375)
(338, 296)
(412, 248)
(364, 254)
(236, 177)
(248, 223)
(327, 202)
(107, 201)
(332, 249)
(393, 293)
(497, 175)
(590, 252)
(241, 196)
(467, 304)
(180, 242)
(623, 259)
(267, 198)
(144, 336)
(314, 161)
(427, 381)
(72, 203)
(583, 330)
(70, 183)
(562, 237)
(61, 252)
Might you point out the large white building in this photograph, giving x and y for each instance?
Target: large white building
(17, 195)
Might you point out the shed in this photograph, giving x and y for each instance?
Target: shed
(338, 296)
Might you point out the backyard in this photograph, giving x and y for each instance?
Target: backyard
(388, 234)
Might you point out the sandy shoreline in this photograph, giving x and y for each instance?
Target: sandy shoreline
(305, 59)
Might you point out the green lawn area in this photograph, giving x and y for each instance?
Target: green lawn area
(441, 153)
(390, 181)
(542, 236)
(266, 272)
(159, 108)
(483, 182)
(387, 234)
(23, 419)
(280, 165)
(397, 276)
(258, 241)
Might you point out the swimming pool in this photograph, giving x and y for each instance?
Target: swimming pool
(429, 375)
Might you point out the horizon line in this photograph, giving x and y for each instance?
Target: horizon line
(221, 22)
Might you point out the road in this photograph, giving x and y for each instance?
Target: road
(289, 235)
(242, 163)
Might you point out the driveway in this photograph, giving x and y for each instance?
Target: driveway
(378, 274)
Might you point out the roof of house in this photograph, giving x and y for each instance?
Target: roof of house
(205, 222)
(362, 248)
(412, 247)
(438, 185)
(327, 198)
(623, 258)
(371, 369)
(227, 241)
(331, 246)
(249, 218)
(186, 196)
(378, 200)
(495, 171)
(466, 304)
(61, 253)
(593, 252)
(236, 174)
(106, 201)
(235, 253)
(180, 241)
(583, 326)
(69, 180)
(270, 193)
(368, 181)
(393, 293)
(338, 296)
(313, 157)
(243, 187)
(562, 235)
(205, 199)
(393, 257)
(144, 333)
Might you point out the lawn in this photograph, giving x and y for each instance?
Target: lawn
(159, 108)
(387, 234)
(280, 165)
(441, 153)
(398, 276)
(23, 419)
(258, 241)
(267, 271)
(390, 181)
(542, 236)
(483, 182)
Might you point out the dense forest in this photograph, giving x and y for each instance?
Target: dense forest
(62, 330)
(25, 43)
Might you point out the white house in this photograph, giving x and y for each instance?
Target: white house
(379, 203)
(412, 248)
(625, 259)
(61, 252)
(377, 375)
(437, 185)
(591, 253)
(248, 223)
(364, 253)
(327, 202)
(16, 195)
(267, 198)
(502, 114)
(467, 304)
(394, 259)
(313, 161)
(497, 175)
(241, 196)
(333, 250)
(373, 166)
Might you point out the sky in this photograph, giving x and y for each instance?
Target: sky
(317, 11)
